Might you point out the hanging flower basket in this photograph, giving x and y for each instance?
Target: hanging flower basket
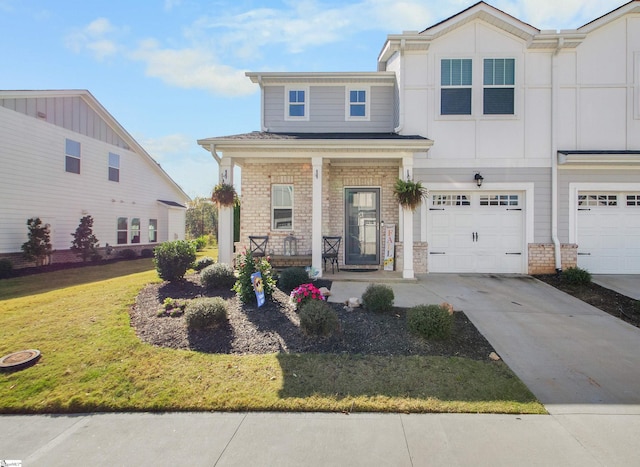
(224, 194)
(409, 194)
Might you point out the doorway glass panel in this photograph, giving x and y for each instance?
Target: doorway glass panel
(362, 211)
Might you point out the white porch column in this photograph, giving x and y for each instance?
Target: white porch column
(316, 215)
(407, 224)
(225, 216)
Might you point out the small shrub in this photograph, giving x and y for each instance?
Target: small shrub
(6, 268)
(201, 242)
(172, 259)
(318, 319)
(291, 278)
(247, 266)
(127, 253)
(171, 307)
(217, 275)
(146, 253)
(304, 294)
(203, 262)
(203, 313)
(430, 321)
(378, 298)
(576, 276)
(84, 242)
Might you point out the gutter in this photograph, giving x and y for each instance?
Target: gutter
(555, 87)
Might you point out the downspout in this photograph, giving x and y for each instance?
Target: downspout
(555, 88)
(212, 149)
(400, 126)
(262, 127)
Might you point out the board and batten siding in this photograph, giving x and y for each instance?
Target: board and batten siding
(34, 183)
(326, 107)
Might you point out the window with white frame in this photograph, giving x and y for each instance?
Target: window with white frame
(72, 156)
(282, 207)
(297, 103)
(135, 230)
(499, 200)
(122, 230)
(499, 86)
(114, 167)
(153, 230)
(357, 103)
(456, 79)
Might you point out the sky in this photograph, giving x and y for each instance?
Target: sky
(173, 71)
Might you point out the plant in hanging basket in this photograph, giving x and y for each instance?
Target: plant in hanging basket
(409, 194)
(224, 194)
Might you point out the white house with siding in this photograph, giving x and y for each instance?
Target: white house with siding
(528, 141)
(63, 156)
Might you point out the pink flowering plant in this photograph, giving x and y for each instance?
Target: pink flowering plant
(305, 293)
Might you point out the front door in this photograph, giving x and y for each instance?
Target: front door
(362, 219)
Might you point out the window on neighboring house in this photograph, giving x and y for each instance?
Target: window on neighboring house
(153, 230)
(282, 207)
(122, 230)
(135, 230)
(455, 86)
(72, 158)
(114, 167)
(357, 103)
(296, 103)
(499, 86)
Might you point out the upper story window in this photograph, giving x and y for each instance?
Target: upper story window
(114, 167)
(455, 86)
(357, 104)
(72, 156)
(499, 86)
(282, 207)
(297, 103)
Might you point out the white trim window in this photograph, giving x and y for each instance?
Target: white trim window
(114, 167)
(282, 207)
(135, 230)
(153, 230)
(357, 99)
(456, 80)
(72, 156)
(122, 231)
(499, 86)
(296, 103)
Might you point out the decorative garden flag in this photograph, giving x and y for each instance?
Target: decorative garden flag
(256, 280)
(389, 246)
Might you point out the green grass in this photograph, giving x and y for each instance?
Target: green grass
(93, 361)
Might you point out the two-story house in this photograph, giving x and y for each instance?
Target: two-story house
(63, 156)
(528, 141)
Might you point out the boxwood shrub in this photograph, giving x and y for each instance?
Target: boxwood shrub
(378, 298)
(318, 319)
(172, 259)
(430, 321)
(206, 312)
(218, 275)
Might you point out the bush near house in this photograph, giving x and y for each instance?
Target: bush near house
(38, 246)
(218, 275)
(6, 268)
(430, 321)
(203, 262)
(290, 278)
(318, 319)
(576, 276)
(378, 298)
(172, 259)
(247, 265)
(206, 312)
(127, 253)
(85, 243)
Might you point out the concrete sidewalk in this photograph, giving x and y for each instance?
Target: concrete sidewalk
(313, 439)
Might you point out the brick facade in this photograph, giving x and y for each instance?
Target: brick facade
(542, 257)
(420, 254)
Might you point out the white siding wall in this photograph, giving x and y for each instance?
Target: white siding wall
(34, 184)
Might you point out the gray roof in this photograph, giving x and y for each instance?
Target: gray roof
(268, 136)
(172, 203)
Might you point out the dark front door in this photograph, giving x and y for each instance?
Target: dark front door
(362, 220)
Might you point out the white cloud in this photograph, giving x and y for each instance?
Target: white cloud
(170, 4)
(191, 68)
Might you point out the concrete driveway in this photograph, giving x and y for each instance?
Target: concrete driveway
(572, 356)
(625, 284)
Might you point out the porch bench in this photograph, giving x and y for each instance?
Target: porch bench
(286, 261)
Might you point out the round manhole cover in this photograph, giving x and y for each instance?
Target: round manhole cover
(19, 360)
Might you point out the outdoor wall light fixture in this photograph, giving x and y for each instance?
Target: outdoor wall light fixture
(478, 178)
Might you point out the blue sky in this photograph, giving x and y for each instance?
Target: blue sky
(172, 71)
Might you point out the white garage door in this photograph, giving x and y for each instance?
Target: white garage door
(476, 232)
(609, 232)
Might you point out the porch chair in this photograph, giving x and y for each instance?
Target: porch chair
(258, 245)
(331, 247)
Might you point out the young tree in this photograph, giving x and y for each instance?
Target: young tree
(38, 247)
(84, 243)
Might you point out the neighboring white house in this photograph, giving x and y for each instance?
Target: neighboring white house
(528, 141)
(63, 156)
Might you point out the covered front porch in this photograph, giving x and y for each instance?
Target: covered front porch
(312, 186)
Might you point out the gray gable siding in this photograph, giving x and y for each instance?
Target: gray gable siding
(70, 113)
(327, 111)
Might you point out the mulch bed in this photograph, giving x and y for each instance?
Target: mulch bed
(275, 327)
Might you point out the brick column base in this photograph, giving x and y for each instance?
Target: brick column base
(542, 257)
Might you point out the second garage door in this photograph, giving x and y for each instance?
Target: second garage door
(476, 232)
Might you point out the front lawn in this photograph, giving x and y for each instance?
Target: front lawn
(92, 360)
